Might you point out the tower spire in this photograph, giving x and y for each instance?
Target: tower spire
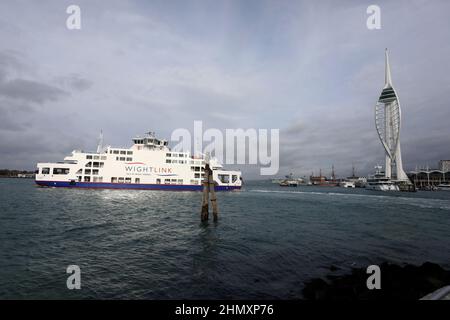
(387, 71)
(387, 122)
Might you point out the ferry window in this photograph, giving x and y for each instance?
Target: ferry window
(127, 180)
(174, 181)
(45, 170)
(168, 161)
(121, 180)
(168, 154)
(89, 164)
(158, 181)
(95, 165)
(87, 179)
(129, 159)
(96, 157)
(110, 151)
(224, 178)
(194, 182)
(129, 152)
(122, 158)
(60, 171)
(101, 164)
(123, 152)
(116, 151)
(80, 171)
(137, 180)
(87, 171)
(79, 179)
(197, 175)
(174, 161)
(175, 155)
(180, 181)
(166, 181)
(88, 157)
(114, 180)
(95, 172)
(234, 178)
(103, 158)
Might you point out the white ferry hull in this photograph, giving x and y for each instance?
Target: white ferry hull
(92, 185)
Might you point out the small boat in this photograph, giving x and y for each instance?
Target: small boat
(443, 187)
(289, 182)
(347, 184)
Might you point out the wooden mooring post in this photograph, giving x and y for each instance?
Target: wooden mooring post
(208, 188)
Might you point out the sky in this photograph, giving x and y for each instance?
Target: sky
(311, 69)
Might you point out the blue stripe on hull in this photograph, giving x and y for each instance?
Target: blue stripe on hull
(136, 186)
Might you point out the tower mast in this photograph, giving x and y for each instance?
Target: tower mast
(387, 122)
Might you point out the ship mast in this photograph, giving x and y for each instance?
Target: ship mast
(100, 142)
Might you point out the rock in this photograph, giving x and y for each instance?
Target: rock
(397, 283)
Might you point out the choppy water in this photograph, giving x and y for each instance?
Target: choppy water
(151, 244)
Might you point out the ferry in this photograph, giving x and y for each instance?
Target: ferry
(148, 164)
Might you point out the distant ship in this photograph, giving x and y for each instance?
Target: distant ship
(148, 164)
(443, 187)
(290, 181)
(379, 182)
(323, 181)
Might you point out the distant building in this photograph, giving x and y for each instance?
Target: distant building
(427, 177)
(444, 165)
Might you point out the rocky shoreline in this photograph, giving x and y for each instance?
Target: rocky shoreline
(406, 282)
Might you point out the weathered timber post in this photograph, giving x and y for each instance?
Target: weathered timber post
(205, 201)
(208, 187)
(213, 195)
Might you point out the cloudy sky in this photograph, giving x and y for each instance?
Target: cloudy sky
(310, 68)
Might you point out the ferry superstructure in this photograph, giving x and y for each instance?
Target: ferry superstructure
(148, 164)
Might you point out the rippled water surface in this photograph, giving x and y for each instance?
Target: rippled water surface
(151, 244)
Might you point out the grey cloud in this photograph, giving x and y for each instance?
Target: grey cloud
(311, 69)
(10, 60)
(75, 82)
(29, 90)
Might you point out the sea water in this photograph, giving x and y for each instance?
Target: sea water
(268, 241)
